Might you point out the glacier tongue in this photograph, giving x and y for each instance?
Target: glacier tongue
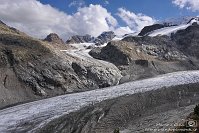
(34, 115)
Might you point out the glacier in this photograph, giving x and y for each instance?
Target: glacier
(34, 115)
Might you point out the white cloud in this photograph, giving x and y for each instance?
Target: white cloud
(93, 20)
(77, 3)
(106, 2)
(135, 21)
(123, 30)
(38, 19)
(189, 4)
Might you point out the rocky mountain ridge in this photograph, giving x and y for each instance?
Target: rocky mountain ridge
(168, 27)
(100, 40)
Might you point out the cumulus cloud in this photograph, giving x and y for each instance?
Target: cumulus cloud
(93, 19)
(123, 30)
(135, 21)
(189, 4)
(38, 20)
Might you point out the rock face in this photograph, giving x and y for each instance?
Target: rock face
(100, 40)
(80, 39)
(150, 28)
(115, 52)
(187, 40)
(133, 48)
(161, 47)
(54, 38)
(104, 38)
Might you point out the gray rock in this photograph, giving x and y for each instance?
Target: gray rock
(104, 77)
(113, 53)
(54, 38)
(148, 29)
(187, 40)
(104, 38)
(100, 40)
(79, 39)
(79, 69)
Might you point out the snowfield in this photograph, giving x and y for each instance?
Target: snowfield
(168, 30)
(31, 116)
(173, 29)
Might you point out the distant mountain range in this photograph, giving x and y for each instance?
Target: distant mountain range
(167, 27)
(100, 40)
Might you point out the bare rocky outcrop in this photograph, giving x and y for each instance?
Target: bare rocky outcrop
(115, 52)
(79, 39)
(56, 42)
(54, 38)
(148, 29)
(187, 40)
(105, 37)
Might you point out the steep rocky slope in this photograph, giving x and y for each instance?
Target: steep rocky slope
(148, 29)
(187, 40)
(32, 69)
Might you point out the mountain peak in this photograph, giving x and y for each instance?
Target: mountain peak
(54, 38)
(105, 37)
(193, 20)
(79, 39)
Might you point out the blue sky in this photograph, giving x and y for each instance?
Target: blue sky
(39, 18)
(159, 9)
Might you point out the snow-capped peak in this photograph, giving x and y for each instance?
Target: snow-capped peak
(173, 29)
(193, 20)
